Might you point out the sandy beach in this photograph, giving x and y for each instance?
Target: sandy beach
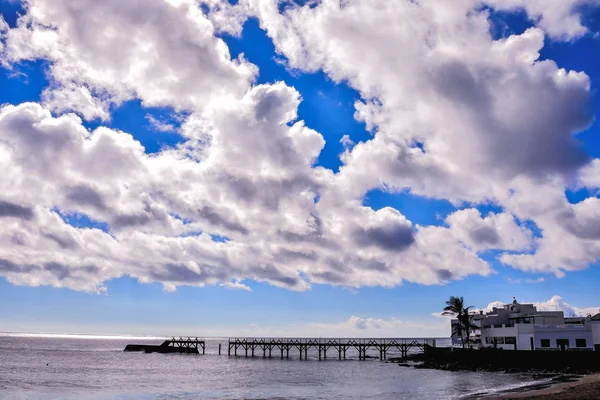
(587, 388)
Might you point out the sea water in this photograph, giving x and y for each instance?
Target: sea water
(83, 367)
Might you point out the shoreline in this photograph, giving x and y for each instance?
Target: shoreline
(586, 387)
(556, 376)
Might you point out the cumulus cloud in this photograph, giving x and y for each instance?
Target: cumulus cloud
(569, 241)
(589, 176)
(495, 231)
(162, 52)
(559, 18)
(454, 114)
(446, 107)
(583, 219)
(391, 231)
(14, 210)
(557, 303)
(440, 85)
(154, 207)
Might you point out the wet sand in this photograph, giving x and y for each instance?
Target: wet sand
(586, 388)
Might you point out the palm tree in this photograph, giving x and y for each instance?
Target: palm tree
(455, 306)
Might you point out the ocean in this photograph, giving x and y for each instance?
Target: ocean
(36, 367)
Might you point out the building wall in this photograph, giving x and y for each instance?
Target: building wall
(524, 341)
(495, 320)
(596, 332)
(550, 318)
(499, 333)
(521, 332)
(525, 336)
(520, 313)
(571, 333)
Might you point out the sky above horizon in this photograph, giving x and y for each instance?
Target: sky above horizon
(307, 167)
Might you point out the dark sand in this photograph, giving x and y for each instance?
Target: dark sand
(587, 388)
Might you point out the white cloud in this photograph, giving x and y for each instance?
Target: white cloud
(379, 327)
(160, 126)
(538, 280)
(164, 53)
(459, 94)
(72, 97)
(454, 114)
(559, 18)
(590, 175)
(353, 327)
(236, 286)
(152, 204)
(495, 231)
(3, 28)
(555, 303)
(347, 142)
(570, 238)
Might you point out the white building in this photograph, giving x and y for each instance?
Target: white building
(518, 326)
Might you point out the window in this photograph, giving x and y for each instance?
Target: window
(489, 340)
(510, 340)
(545, 343)
(580, 343)
(500, 340)
(562, 342)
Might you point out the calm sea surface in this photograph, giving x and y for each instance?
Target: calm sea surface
(46, 367)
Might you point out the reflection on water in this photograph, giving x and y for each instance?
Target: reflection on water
(97, 368)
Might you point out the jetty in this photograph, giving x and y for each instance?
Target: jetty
(187, 345)
(265, 347)
(320, 348)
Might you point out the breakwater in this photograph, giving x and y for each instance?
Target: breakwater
(449, 359)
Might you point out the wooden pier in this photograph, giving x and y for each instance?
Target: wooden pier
(187, 345)
(280, 347)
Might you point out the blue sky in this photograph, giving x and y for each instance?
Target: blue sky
(129, 288)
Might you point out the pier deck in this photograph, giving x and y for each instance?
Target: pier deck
(267, 346)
